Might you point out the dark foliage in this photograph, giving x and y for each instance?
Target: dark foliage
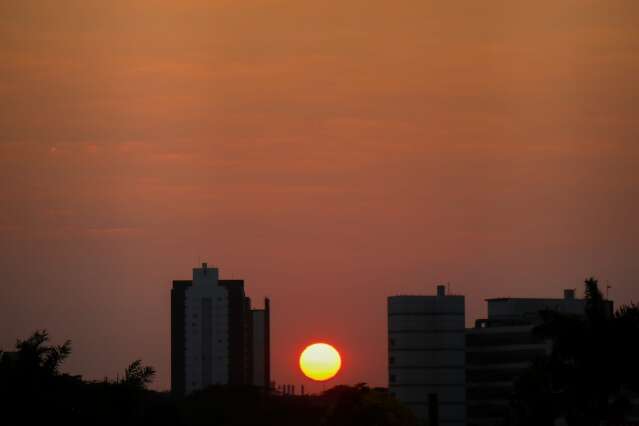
(137, 375)
(34, 391)
(338, 406)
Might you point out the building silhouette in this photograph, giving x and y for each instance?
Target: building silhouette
(450, 375)
(216, 338)
(427, 355)
(502, 346)
(260, 368)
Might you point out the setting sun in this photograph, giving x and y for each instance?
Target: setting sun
(320, 361)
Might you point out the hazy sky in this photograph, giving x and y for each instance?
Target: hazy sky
(330, 153)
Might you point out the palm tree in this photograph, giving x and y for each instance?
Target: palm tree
(33, 353)
(137, 375)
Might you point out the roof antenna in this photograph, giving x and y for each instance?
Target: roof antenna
(448, 289)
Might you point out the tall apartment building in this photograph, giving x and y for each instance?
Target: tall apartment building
(426, 356)
(216, 338)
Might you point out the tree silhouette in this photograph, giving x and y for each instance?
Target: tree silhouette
(361, 405)
(137, 375)
(33, 390)
(33, 353)
(596, 308)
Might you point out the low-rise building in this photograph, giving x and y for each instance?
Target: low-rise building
(501, 347)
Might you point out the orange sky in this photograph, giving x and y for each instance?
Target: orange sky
(331, 153)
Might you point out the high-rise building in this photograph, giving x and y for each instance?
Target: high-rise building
(426, 356)
(213, 331)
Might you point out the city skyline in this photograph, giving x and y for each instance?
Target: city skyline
(331, 155)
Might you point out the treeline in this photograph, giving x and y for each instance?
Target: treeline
(34, 391)
(338, 406)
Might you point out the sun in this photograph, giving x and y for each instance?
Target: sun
(320, 361)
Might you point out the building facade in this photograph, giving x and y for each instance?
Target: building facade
(502, 346)
(212, 329)
(426, 356)
(495, 356)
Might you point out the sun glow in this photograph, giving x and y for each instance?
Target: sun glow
(320, 361)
